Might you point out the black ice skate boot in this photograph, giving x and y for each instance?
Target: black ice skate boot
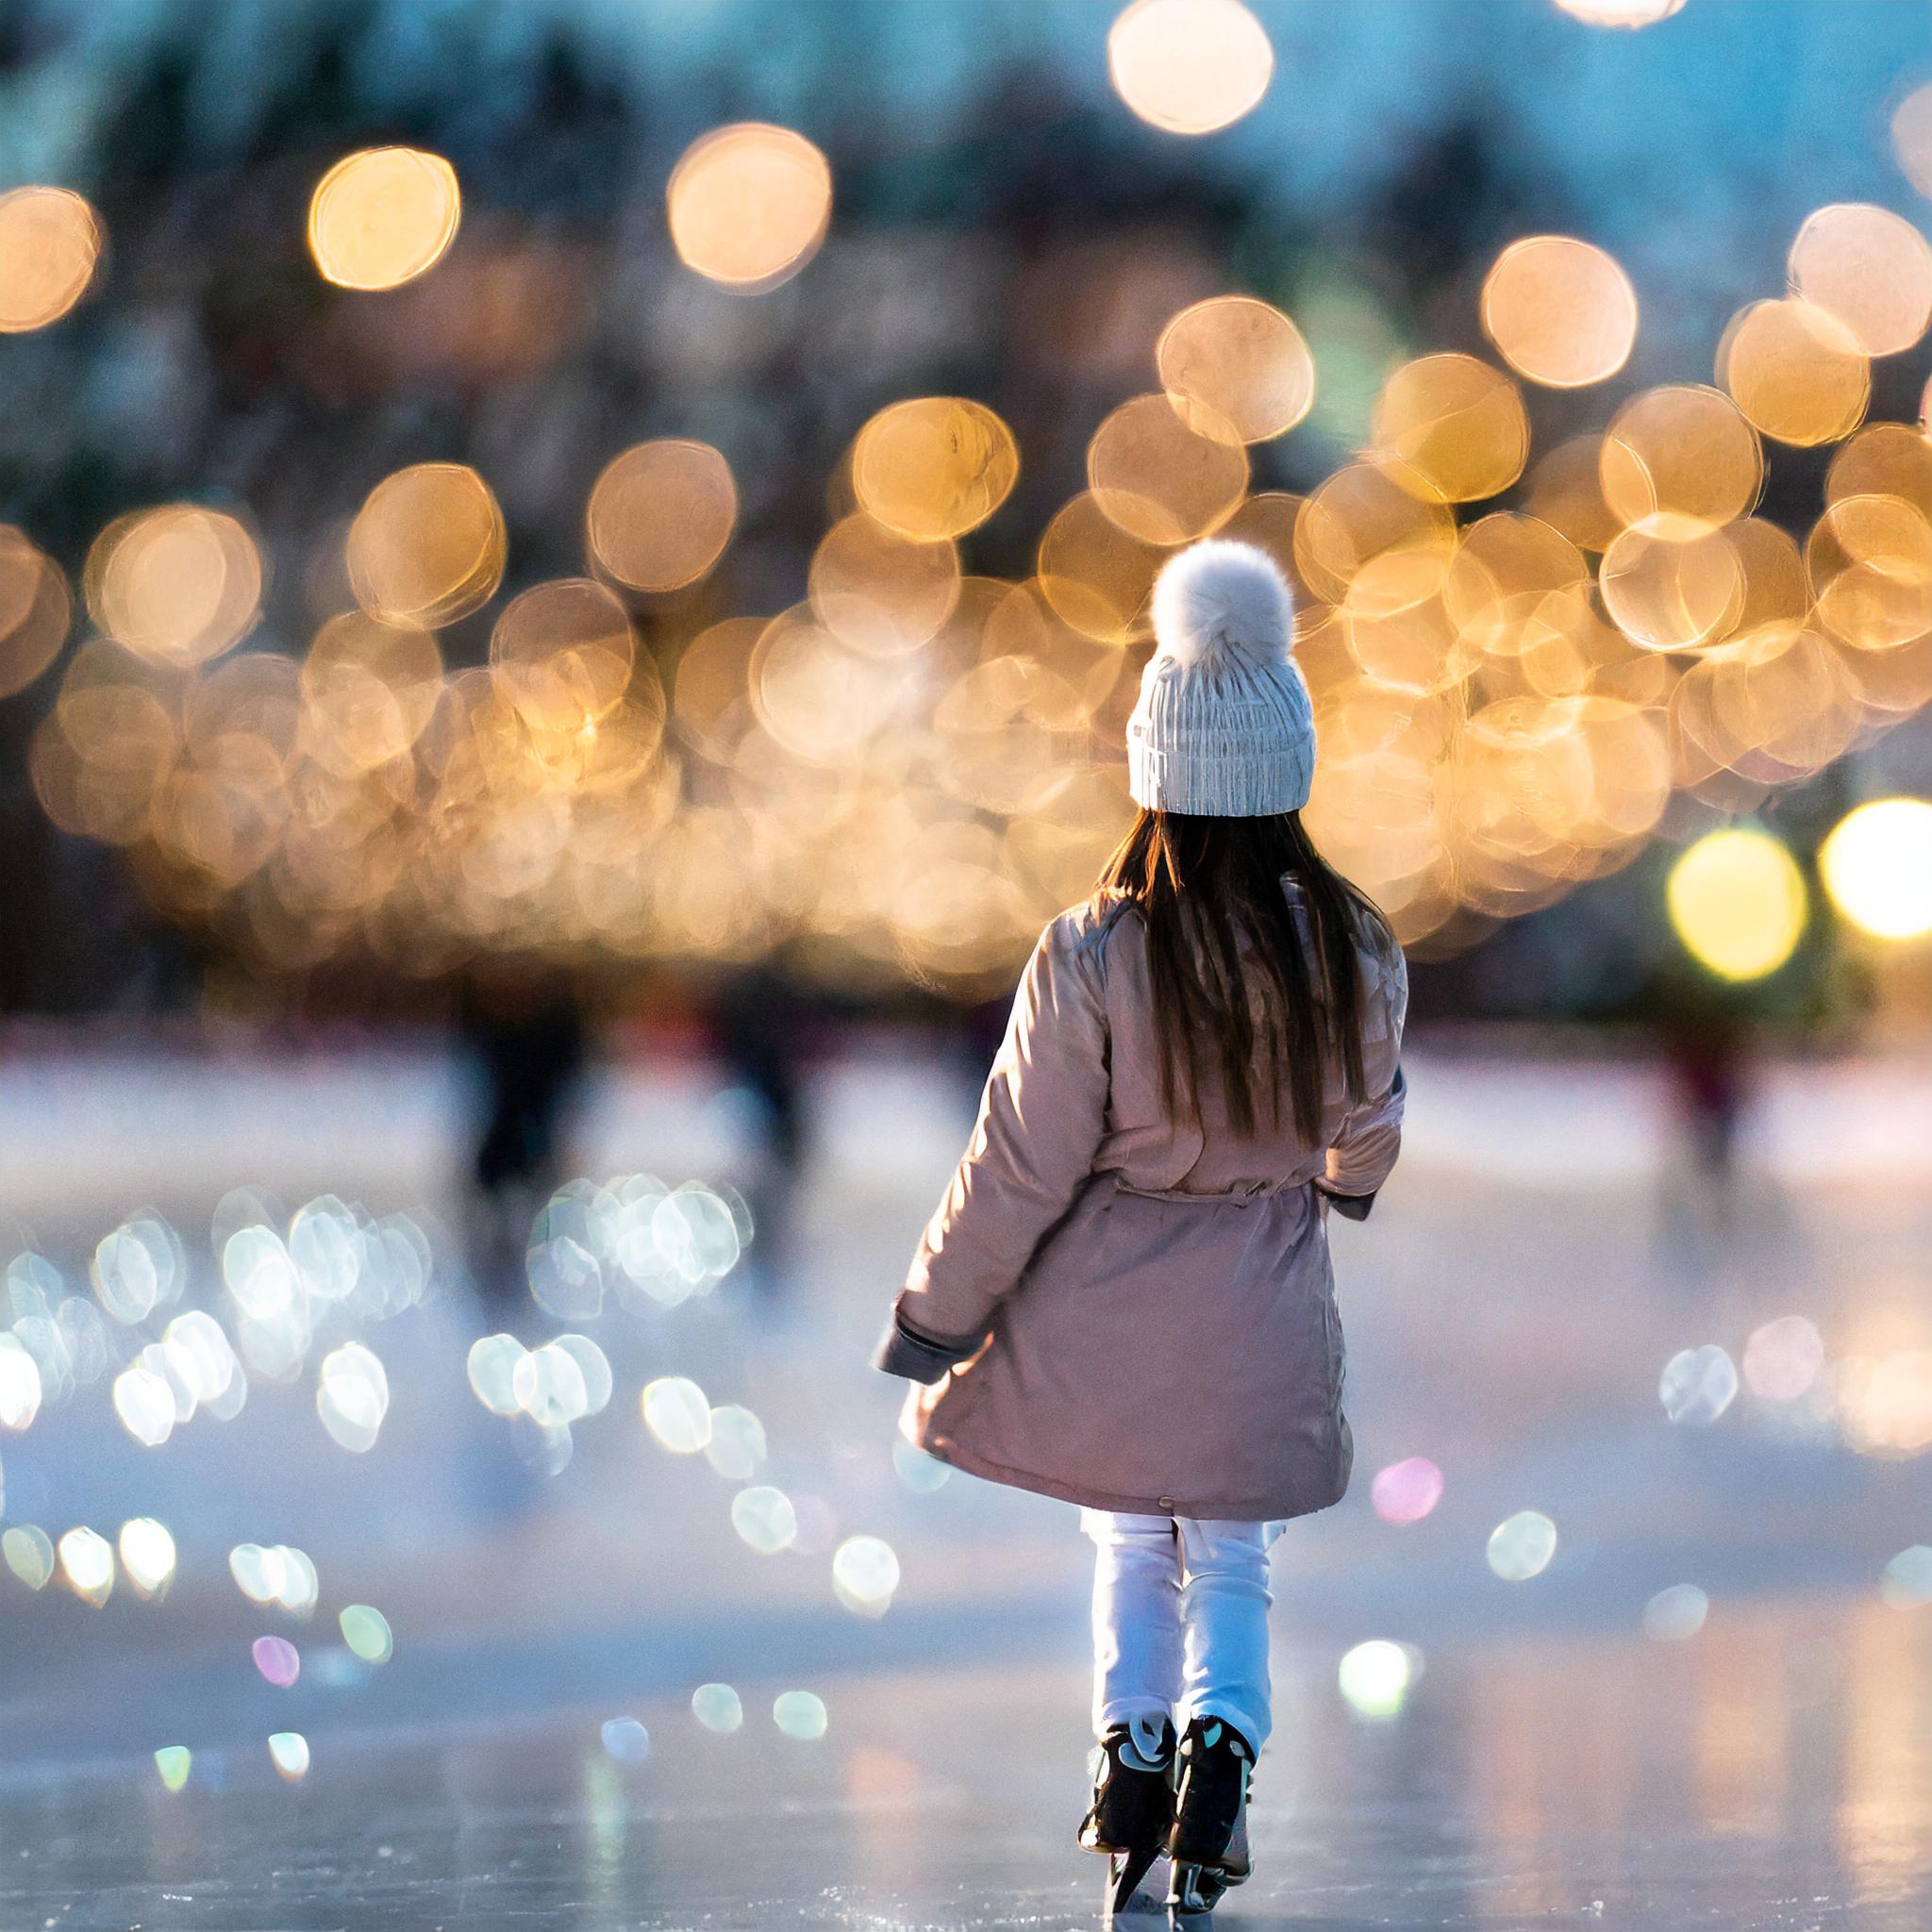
(1132, 1812)
(1210, 1843)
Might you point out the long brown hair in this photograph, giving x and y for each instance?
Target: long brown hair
(1196, 882)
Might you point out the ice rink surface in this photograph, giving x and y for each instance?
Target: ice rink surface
(530, 1754)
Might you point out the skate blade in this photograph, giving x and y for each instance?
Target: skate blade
(1191, 1896)
(1137, 1887)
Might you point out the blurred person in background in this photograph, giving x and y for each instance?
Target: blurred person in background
(1125, 1299)
(523, 1027)
(755, 1019)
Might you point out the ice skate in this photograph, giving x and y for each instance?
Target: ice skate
(1131, 1815)
(1210, 1843)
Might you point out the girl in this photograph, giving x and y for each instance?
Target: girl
(1124, 1298)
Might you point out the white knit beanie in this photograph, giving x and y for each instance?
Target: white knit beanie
(1223, 727)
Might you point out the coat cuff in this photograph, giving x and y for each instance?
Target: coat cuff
(903, 1351)
(1350, 1207)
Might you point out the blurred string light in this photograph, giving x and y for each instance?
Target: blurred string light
(50, 247)
(427, 546)
(29, 1553)
(277, 1660)
(934, 467)
(1738, 902)
(1906, 1583)
(1189, 66)
(1870, 267)
(1521, 1546)
(174, 1762)
(749, 205)
(1375, 1678)
(763, 1518)
(1233, 365)
(865, 1574)
(1698, 1384)
(1876, 865)
(36, 611)
(800, 1714)
(276, 1574)
(626, 1740)
(1676, 1613)
(87, 1565)
(147, 1556)
(660, 514)
(288, 1751)
(676, 1414)
(718, 1708)
(1407, 1490)
(1560, 311)
(382, 217)
(367, 1633)
(1783, 1357)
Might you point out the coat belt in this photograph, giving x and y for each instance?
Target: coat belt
(1259, 1190)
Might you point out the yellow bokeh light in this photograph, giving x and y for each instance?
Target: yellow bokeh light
(1682, 454)
(35, 610)
(749, 205)
(1871, 268)
(1796, 371)
(1911, 137)
(1877, 868)
(382, 217)
(178, 585)
(1457, 424)
(50, 243)
(934, 467)
(661, 513)
(427, 546)
(1233, 362)
(1560, 311)
(1736, 900)
(1159, 478)
(1189, 66)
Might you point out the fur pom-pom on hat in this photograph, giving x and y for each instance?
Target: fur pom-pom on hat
(1223, 598)
(1223, 727)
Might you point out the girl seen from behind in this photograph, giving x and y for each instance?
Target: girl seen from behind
(1124, 1298)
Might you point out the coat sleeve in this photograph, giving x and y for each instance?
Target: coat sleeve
(1042, 1117)
(1364, 1148)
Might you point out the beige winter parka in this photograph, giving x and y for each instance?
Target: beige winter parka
(1127, 1311)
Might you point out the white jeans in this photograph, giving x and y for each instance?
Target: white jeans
(1180, 1621)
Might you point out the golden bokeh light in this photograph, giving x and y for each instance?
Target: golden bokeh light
(1158, 476)
(1671, 596)
(1869, 564)
(178, 585)
(1876, 865)
(50, 247)
(1911, 137)
(561, 655)
(749, 205)
(1457, 424)
(1795, 370)
(35, 610)
(1738, 902)
(934, 467)
(1870, 267)
(881, 594)
(1566, 491)
(368, 691)
(427, 546)
(1097, 575)
(1684, 456)
(1884, 460)
(383, 216)
(1189, 66)
(1361, 512)
(1232, 362)
(660, 514)
(1560, 311)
